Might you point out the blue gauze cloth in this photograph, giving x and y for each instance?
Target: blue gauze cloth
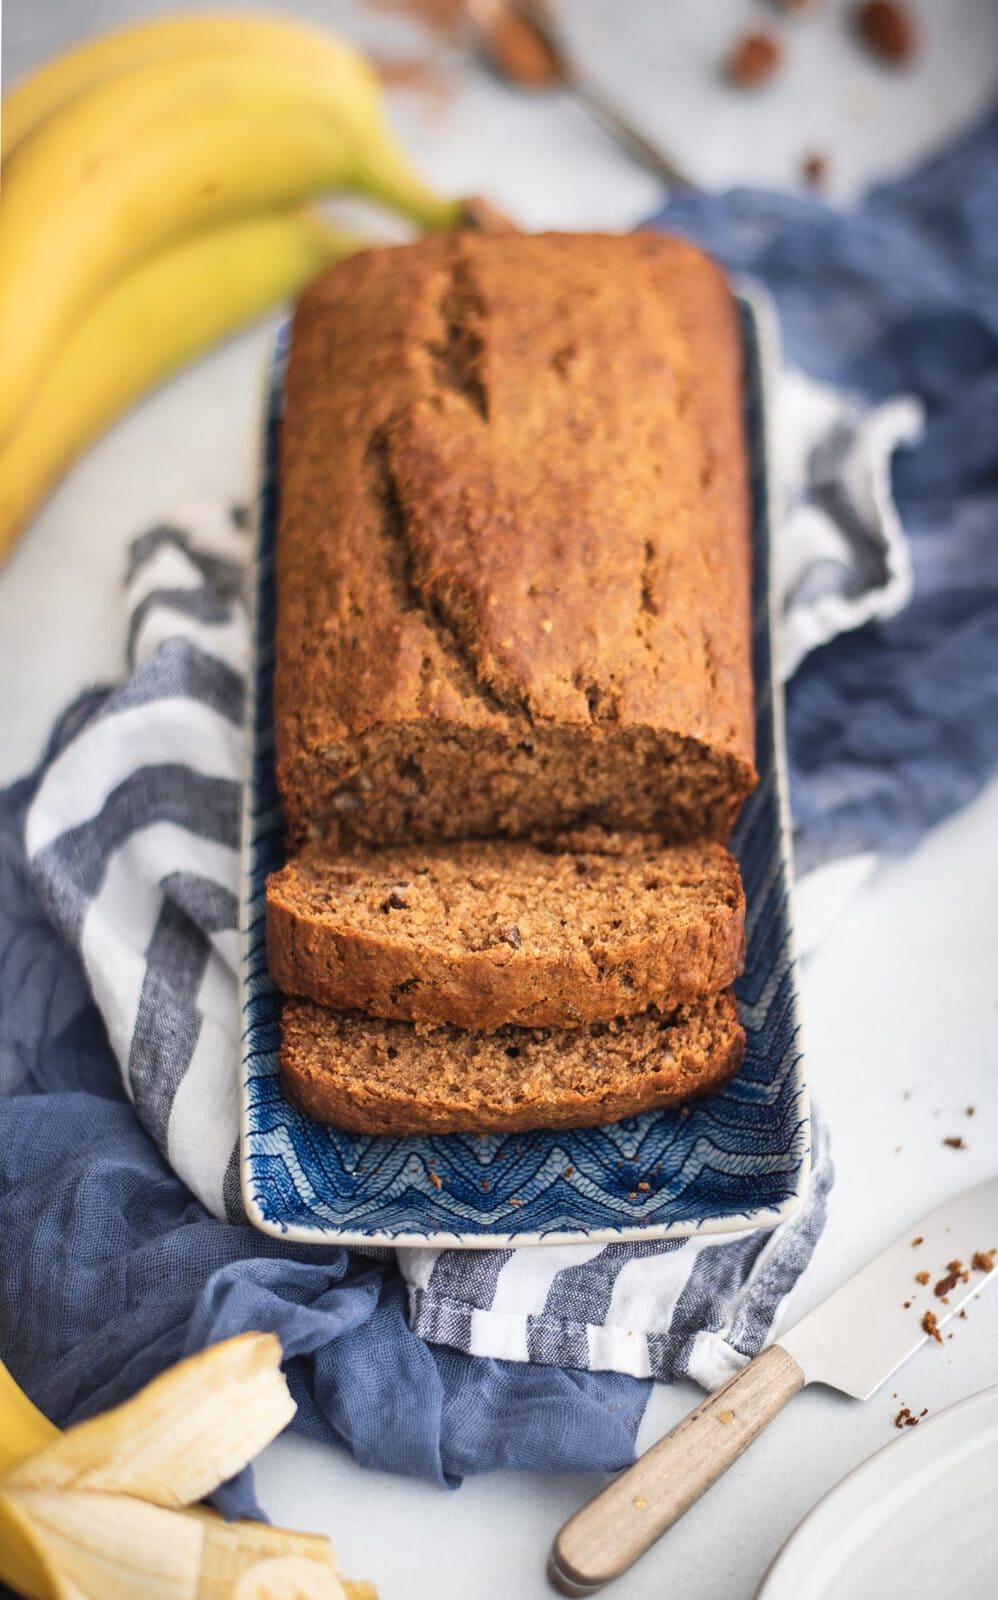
(892, 728)
(109, 1269)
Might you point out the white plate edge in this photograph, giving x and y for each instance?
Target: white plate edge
(912, 1441)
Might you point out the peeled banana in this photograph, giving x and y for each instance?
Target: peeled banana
(23, 1430)
(103, 1512)
(152, 154)
(294, 1575)
(179, 1437)
(160, 315)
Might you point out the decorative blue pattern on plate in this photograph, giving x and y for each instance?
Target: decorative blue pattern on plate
(739, 1160)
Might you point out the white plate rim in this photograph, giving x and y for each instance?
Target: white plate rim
(879, 1472)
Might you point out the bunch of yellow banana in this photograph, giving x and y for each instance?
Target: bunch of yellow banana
(151, 182)
(106, 1511)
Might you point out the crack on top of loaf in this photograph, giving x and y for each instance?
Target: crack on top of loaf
(648, 608)
(402, 573)
(649, 605)
(601, 701)
(407, 591)
(563, 360)
(458, 356)
(709, 659)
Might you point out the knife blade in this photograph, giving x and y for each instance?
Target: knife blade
(853, 1342)
(863, 1332)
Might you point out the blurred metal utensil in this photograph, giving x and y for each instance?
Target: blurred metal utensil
(523, 48)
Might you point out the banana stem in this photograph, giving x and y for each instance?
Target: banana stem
(381, 173)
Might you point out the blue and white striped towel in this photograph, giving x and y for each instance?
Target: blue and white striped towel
(133, 839)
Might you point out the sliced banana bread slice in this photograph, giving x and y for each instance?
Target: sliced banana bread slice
(485, 933)
(391, 1078)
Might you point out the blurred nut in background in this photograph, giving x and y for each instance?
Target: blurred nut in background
(753, 60)
(888, 30)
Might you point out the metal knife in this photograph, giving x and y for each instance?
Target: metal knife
(854, 1341)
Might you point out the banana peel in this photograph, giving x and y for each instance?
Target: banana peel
(102, 1512)
(24, 1430)
(154, 320)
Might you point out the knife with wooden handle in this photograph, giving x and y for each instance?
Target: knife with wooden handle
(853, 1342)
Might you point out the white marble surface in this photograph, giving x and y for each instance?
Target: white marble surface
(901, 1002)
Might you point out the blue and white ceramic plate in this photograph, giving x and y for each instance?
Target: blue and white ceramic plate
(737, 1161)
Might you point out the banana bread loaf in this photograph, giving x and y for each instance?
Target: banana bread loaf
(513, 557)
(482, 934)
(392, 1078)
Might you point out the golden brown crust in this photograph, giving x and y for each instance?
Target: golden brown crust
(481, 935)
(341, 1070)
(513, 555)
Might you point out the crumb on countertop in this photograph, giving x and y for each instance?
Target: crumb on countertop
(930, 1323)
(814, 169)
(753, 59)
(955, 1142)
(983, 1260)
(955, 1273)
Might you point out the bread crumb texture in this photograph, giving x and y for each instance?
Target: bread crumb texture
(579, 929)
(395, 1078)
